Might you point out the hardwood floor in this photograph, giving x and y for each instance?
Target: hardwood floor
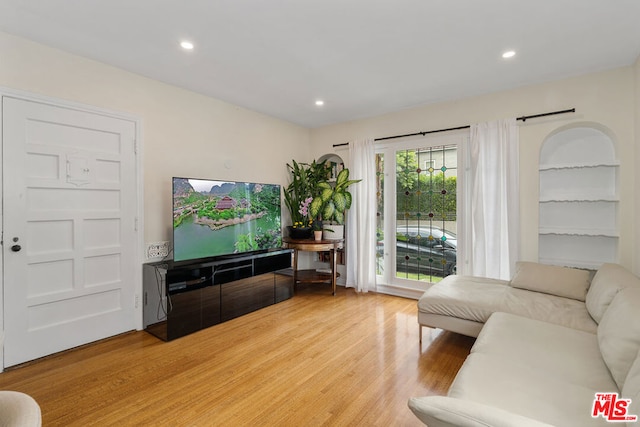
(349, 360)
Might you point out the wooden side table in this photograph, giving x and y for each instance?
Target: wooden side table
(310, 245)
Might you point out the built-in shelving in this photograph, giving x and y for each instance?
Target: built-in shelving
(572, 197)
(578, 201)
(578, 231)
(577, 166)
(334, 163)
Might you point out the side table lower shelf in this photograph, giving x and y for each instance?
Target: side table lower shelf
(309, 276)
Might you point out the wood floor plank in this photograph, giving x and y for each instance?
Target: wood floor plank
(314, 360)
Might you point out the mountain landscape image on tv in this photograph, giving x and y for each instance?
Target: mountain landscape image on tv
(214, 218)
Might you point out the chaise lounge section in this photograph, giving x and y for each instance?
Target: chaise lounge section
(554, 294)
(535, 371)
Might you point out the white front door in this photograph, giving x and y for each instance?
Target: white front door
(69, 232)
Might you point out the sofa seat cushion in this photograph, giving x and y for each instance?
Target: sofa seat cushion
(465, 297)
(477, 298)
(564, 353)
(520, 390)
(535, 369)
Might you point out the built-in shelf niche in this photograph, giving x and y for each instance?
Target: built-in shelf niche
(578, 204)
(334, 164)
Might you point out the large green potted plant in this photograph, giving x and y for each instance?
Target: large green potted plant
(300, 193)
(331, 202)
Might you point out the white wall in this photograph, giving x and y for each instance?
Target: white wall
(184, 134)
(189, 134)
(606, 98)
(636, 224)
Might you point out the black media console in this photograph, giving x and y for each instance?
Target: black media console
(183, 298)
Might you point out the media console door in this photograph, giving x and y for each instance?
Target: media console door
(247, 295)
(192, 311)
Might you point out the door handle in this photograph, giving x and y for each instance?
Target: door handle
(16, 248)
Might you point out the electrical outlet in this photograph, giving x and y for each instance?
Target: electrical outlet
(157, 250)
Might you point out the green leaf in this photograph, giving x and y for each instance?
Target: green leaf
(343, 176)
(314, 208)
(329, 210)
(339, 217)
(326, 195)
(348, 200)
(340, 201)
(345, 184)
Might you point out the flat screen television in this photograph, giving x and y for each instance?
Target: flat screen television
(223, 218)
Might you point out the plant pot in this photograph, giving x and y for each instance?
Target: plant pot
(299, 232)
(317, 234)
(334, 232)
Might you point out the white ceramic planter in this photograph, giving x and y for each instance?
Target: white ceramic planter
(333, 232)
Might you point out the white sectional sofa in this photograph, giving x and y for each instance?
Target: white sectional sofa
(546, 344)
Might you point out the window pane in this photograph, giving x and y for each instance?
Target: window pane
(380, 214)
(426, 242)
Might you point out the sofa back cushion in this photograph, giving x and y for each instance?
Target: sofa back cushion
(550, 279)
(608, 281)
(619, 334)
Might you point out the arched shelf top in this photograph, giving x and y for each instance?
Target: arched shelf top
(577, 147)
(334, 163)
(331, 157)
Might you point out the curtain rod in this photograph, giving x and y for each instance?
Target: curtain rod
(523, 119)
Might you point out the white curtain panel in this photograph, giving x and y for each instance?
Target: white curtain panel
(492, 234)
(361, 218)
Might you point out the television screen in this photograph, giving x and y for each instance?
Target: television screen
(214, 218)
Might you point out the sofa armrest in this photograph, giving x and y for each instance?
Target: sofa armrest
(443, 411)
(19, 409)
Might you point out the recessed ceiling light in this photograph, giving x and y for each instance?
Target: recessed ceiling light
(186, 45)
(509, 54)
(319, 103)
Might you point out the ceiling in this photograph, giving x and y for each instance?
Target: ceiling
(361, 57)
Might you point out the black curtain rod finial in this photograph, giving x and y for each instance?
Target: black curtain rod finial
(553, 113)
